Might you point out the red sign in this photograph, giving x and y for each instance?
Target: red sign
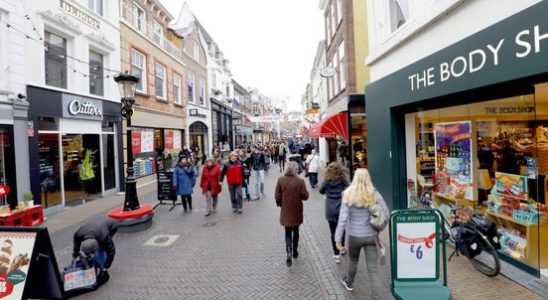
(168, 139)
(4, 190)
(136, 142)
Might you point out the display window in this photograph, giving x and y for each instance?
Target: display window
(8, 193)
(358, 140)
(488, 158)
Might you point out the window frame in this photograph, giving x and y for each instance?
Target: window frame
(136, 7)
(97, 9)
(191, 85)
(143, 79)
(339, 11)
(342, 65)
(100, 75)
(158, 66)
(202, 96)
(64, 83)
(177, 87)
(158, 35)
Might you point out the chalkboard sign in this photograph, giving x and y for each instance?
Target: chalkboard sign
(165, 188)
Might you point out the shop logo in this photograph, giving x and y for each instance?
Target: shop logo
(75, 107)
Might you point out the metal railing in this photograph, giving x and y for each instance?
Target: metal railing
(147, 30)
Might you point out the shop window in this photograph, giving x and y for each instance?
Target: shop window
(56, 60)
(48, 123)
(50, 174)
(160, 83)
(96, 73)
(7, 168)
(139, 69)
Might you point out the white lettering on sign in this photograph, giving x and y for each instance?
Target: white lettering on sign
(86, 108)
(528, 41)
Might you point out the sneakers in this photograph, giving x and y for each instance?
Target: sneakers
(347, 285)
(240, 211)
(295, 253)
(337, 258)
(343, 251)
(208, 213)
(234, 210)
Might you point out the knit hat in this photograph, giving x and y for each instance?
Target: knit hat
(89, 246)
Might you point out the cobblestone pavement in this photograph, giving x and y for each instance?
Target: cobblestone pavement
(231, 256)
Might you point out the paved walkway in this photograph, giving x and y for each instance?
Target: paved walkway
(231, 256)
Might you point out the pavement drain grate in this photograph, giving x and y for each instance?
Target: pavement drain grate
(162, 240)
(209, 224)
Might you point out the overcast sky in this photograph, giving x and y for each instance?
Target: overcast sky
(270, 44)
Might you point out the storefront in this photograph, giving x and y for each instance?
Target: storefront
(221, 124)
(472, 121)
(8, 184)
(73, 147)
(155, 148)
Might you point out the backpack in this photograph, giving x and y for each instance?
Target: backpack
(377, 218)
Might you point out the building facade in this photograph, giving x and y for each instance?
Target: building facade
(153, 52)
(197, 87)
(73, 116)
(466, 112)
(243, 127)
(13, 105)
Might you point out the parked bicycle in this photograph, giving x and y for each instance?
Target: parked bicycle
(476, 238)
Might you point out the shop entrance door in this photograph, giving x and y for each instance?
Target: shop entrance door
(109, 164)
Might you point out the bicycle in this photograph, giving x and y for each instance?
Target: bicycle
(476, 238)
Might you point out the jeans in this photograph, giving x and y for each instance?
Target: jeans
(211, 201)
(187, 199)
(235, 196)
(313, 177)
(281, 161)
(355, 244)
(291, 239)
(259, 182)
(100, 257)
(333, 228)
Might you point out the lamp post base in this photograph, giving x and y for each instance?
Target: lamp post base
(131, 201)
(134, 220)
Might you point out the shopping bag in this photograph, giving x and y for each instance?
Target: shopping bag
(80, 274)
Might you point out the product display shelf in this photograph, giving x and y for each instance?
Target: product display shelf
(440, 199)
(531, 232)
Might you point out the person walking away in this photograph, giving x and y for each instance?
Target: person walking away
(245, 160)
(211, 175)
(312, 167)
(356, 201)
(266, 153)
(333, 185)
(282, 151)
(95, 238)
(258, 163)
(290, 193)
(184, 152)
(234, 172)
(184, 179)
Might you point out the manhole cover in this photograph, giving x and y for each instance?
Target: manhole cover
(209, 224)
(162, 240)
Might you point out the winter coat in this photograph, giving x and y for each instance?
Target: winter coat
(212, 177)
(184, 180)
(101, 229)
(225, 171)
(313, 163)
(290, 192)
(333, 191)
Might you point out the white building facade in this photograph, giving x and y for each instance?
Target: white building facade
(74, 101)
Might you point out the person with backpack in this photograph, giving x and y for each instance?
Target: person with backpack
(234, 172)
(312, 166)
(258, 165)
(282, 151)
(184, 180)
(209, 183)
(333, 186)
(359, 200)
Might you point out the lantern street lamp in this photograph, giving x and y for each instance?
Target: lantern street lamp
(127, 84)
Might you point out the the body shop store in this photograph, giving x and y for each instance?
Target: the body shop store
(471, 123)
(74, 154)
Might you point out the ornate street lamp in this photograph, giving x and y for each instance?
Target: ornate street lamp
(127, 84)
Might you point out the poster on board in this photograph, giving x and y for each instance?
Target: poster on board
(136, 141)
(147, 141)
(15, 254)
(177, 139)
(168, 139)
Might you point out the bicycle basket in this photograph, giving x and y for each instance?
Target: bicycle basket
(467, 241)
(488, 228)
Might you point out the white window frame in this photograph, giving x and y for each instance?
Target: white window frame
(191, 75)
(143, 67)
(196, 52)
(333, 12)
(339, 11)
(95, 6)
(342, 65)
(177, 98)
(140, 26)
(397, 7)
(160, 75)
(336, 85)
(158, 33)
(202, 93)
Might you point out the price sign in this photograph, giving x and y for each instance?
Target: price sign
(416, 246)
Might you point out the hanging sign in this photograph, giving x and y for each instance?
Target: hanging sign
(136, 141)
(416, 246)
(282, 118)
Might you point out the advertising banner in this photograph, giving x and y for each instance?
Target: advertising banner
(15, 254)
(511, 186)
(136, 141)
(147, 141)
(177, 140)
(168, 139)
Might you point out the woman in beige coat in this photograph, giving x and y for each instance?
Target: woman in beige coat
(290, 194)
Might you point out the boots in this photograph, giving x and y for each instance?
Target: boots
(289, 251)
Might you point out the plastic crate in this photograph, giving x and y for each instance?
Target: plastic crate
(15, 218)
(34, 216)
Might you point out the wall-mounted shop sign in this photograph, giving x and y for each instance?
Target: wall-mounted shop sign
(82, 108)
(79, 14)
(510, 109)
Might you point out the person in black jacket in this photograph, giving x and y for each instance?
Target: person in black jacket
(258, 166)
(95, 238)
(334, 184)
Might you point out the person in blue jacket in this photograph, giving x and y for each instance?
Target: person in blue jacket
(184, 179)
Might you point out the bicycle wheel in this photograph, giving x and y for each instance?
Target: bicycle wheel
(487, 262)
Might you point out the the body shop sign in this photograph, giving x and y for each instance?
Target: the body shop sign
(82, 108)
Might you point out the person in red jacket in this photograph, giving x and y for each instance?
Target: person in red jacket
(234, 172)
(211, 175)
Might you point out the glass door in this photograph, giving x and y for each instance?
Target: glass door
(109, 164)
(50, 176)
(73, 169)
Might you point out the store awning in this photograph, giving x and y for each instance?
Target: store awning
(336, 125)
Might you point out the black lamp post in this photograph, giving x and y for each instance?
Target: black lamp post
(127, 84)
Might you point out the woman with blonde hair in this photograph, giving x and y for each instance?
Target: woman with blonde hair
(333, 186)
(356, 201)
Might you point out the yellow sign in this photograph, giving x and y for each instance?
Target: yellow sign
(69, 8)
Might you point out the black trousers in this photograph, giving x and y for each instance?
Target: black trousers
(186, 199)
(333, 228)
(281, 160)
(291, 238)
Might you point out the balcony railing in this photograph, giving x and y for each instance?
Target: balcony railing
(146, 29)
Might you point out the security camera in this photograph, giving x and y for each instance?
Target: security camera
(21, 96)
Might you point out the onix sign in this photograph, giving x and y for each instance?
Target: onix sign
(82, 108)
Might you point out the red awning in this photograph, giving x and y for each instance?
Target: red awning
(336, 125)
